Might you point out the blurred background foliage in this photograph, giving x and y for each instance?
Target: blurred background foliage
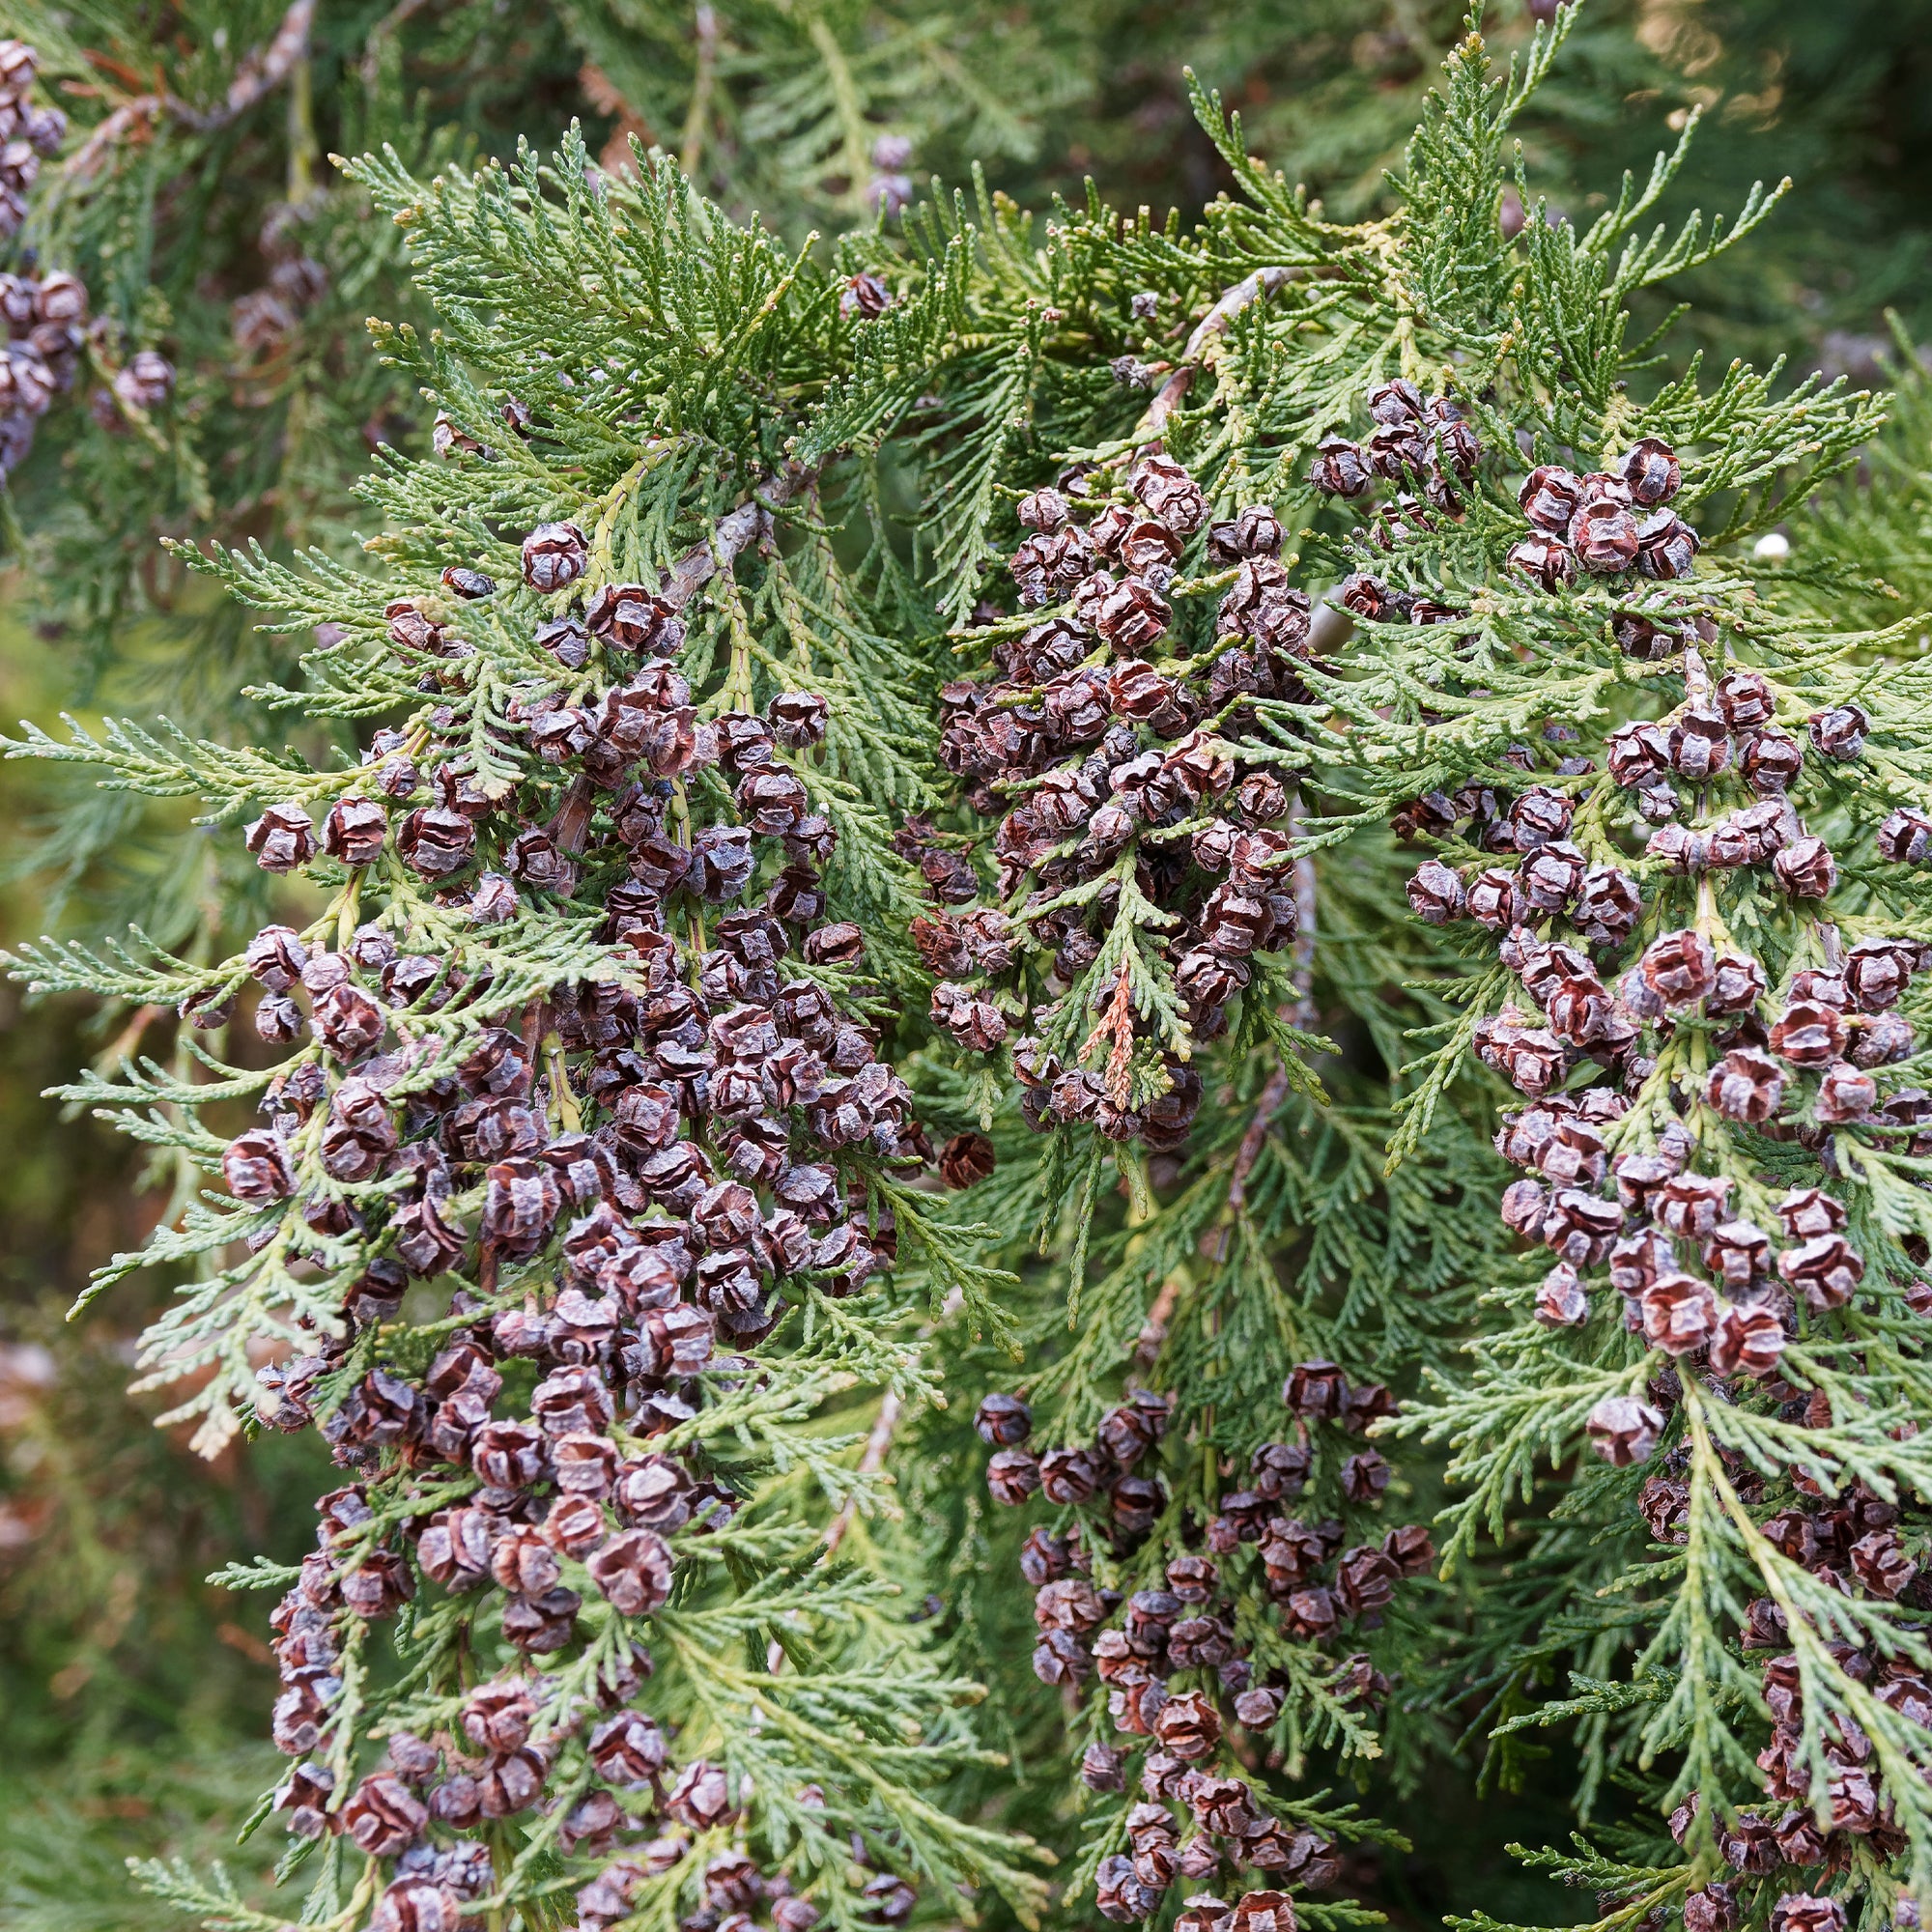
(133, 1695)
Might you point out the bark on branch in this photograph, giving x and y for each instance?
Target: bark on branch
(1207, 332)
(263, 68)
(737, 531)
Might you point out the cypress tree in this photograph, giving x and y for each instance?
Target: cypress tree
(1355, 801)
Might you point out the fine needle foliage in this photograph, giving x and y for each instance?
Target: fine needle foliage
(556, 908)
(1159, 729)
(1726, 1131)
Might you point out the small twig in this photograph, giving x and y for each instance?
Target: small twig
(878, 1445)
(1212, 327)
(736, 532)
(1302, 972)
(871, 1460)
(129, 1037)
(263, 68)
(690, 150)
(533, 1034)
(1250, 1150)
(1154, 1330)
(563, 1100)
(271, 66)
(117, 124)
(303, 148)
(570, 823)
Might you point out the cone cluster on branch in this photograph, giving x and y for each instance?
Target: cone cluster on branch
(1704, 906)
(1179, 1681)
(634, 1178)
(49, 332)
(1797, 1048)
(45, 314)
(29, 132)
(1111, 743)
(681, 875)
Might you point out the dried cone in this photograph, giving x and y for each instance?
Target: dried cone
(1623, 1430)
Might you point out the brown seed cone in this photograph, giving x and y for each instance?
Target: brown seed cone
(966, 1159)
(1748, 1342)
(1746, 1086)
(1623, 1430)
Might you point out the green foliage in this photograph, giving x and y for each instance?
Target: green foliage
(825, 495)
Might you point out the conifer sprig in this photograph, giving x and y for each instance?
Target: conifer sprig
(994, 677)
